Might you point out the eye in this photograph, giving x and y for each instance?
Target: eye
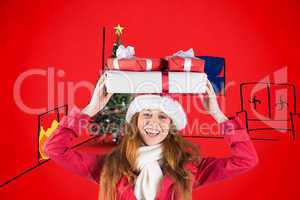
(162, 117)
(146, 114)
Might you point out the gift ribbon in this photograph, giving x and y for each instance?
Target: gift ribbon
(187, 64)
(165, 82)
(148, 64)
(123, 52)
(185, 54)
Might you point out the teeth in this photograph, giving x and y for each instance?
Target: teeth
(151, 131)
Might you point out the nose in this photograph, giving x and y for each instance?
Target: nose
(153, 121)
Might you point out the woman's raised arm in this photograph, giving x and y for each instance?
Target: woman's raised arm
(58, 145)
(242, 159)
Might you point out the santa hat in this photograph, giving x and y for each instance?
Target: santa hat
(165, 103)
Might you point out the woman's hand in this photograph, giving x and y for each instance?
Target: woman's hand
(99, 99)
(210, 104)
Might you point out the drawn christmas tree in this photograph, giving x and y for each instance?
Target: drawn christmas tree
(111, 119)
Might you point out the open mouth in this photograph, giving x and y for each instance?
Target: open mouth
(152, 132)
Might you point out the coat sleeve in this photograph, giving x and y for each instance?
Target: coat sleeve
(243, 156)
(58, 147)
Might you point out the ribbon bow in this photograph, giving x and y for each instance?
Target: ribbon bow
(185, 54)
(123, 52)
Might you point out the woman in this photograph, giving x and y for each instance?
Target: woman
(152, 161)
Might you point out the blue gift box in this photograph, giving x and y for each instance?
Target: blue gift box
(215, 69)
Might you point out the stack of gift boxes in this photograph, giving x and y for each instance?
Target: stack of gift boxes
(180, 73)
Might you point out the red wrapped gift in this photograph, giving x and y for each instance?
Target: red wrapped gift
(187, 64)
(134, 64)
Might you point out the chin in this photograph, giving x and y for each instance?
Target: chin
(152, 141)
(148, 143)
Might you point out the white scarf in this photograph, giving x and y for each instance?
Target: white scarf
(147, 182)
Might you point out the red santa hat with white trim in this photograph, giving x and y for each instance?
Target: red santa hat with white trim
(166, 104)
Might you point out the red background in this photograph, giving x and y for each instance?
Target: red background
(255, 37)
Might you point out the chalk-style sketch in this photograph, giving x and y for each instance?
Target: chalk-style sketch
(44, 132)
(269, 106)
(254, 101)
(281, 104)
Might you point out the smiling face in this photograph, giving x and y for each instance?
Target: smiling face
(153, 125)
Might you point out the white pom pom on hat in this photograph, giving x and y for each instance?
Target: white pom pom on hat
(167, 104)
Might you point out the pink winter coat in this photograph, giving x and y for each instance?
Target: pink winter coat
(207, 170)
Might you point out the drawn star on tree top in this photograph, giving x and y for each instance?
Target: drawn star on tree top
(118, 29)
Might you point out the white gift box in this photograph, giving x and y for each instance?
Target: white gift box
(187, 82)
(155, 82)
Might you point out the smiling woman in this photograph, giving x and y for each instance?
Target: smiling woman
(147, 165)
(152, 161)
